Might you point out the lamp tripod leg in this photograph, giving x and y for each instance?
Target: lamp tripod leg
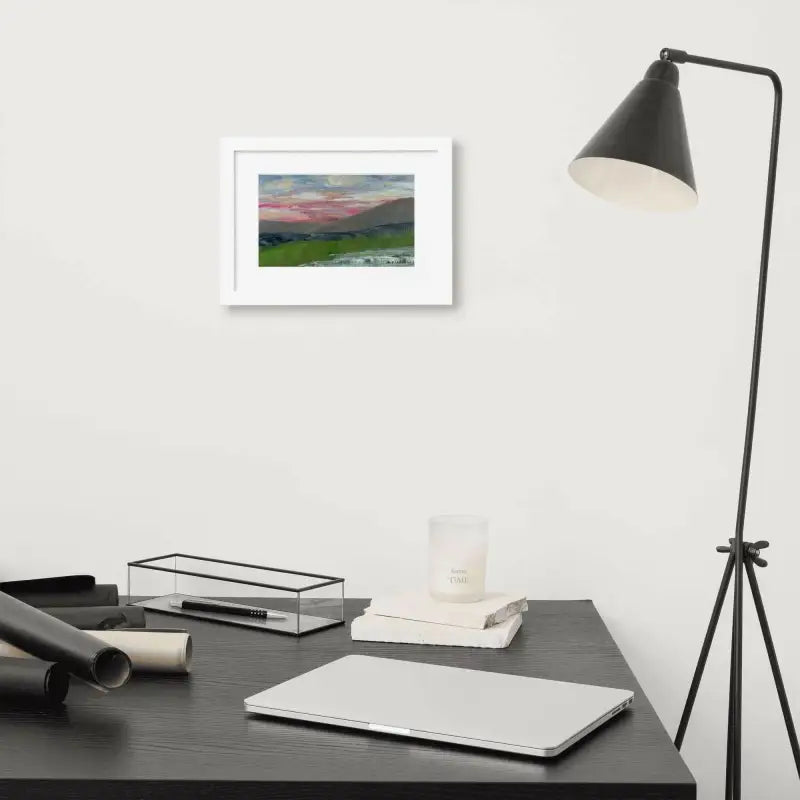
(729, 747)
(704, 651)
(773, 661)
(736, 671)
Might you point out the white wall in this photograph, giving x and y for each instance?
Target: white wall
(587, 392)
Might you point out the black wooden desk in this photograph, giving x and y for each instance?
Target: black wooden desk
(179, 738)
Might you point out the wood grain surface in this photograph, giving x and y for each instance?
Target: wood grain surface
(188, 738)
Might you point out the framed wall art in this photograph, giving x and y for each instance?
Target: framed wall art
(336, 222)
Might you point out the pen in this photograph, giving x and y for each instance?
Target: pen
(225, 608)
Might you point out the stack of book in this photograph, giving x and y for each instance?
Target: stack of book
(419, 619)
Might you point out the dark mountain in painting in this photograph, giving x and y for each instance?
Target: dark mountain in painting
(393, 212)
(268, 226)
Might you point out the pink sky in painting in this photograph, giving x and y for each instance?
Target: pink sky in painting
(321, 198)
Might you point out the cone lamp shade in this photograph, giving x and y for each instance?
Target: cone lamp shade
(640, 156)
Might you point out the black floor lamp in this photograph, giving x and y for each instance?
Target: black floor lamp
(640, 157)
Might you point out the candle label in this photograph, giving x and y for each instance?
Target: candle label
(457, 581)
(458, 576)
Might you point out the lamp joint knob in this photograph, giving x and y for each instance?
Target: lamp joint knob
(676, 56)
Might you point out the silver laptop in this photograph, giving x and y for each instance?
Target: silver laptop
(446, 704)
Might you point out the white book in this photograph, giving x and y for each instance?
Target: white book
(374, 628)
(496, 607)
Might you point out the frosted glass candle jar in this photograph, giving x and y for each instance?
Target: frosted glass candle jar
(457, 558)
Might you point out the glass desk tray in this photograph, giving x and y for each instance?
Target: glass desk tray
(308, 601)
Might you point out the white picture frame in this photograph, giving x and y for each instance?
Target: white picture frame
(429, 282)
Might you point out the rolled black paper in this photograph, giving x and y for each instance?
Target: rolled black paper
(28, 679)
(50, 639)
(100, 618)
(62, 583)
(101, 594)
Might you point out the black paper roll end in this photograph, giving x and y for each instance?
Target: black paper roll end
(112, 668)
(29, 681)
(56, 684)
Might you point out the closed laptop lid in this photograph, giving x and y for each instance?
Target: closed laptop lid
(486, 709)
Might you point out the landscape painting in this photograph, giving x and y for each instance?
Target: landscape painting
(335, 220)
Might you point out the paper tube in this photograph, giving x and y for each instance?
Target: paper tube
(102, 594)
(50, 639)
(62, 583)
(32, 680)
(167, 652)
(153, 651)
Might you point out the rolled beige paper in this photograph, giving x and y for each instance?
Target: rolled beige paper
(149, 651)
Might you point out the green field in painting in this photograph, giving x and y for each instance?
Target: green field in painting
(295, 254)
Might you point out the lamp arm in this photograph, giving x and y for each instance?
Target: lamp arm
(682, 57)
(735, 709)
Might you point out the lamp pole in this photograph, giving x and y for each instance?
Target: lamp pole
(640, 158)
(734, 761)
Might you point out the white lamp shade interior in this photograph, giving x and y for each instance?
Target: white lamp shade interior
(631, 184)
